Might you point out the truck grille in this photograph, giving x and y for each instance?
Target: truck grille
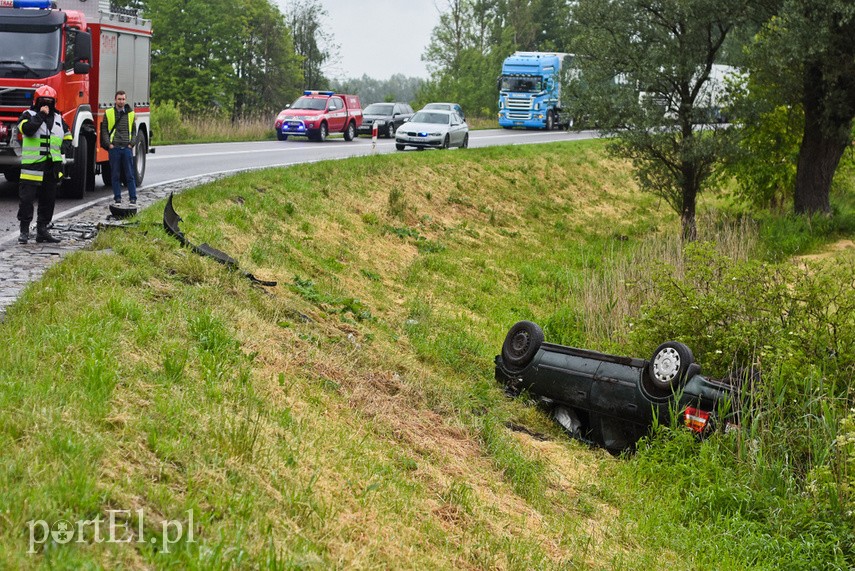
(521, 103)
(519, 115)
(12, 97)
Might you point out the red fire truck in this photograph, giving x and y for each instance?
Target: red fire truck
(86, 52)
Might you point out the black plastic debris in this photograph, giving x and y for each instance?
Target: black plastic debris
(122, 212)
(170, 224)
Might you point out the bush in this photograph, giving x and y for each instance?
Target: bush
(166, 123)
(732, 314)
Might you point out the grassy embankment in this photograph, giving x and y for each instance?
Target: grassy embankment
(348, 418)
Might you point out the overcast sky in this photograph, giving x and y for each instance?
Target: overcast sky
(379, 38)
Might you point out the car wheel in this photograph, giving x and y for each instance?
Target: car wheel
(669, 364)
(400, 147)
(281, 137)
(465, 143)
(350, 133)
(550, 121)
(323, 132)
(446, 142)
(521, 344)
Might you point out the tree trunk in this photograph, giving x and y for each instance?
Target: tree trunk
(690, 196)
(819, 156)
(822, 147)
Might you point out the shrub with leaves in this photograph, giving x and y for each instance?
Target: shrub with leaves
(732, 314)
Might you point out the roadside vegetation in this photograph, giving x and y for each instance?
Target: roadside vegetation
(348, 417)
(171, 126)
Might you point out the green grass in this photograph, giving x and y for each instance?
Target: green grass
(348, 417)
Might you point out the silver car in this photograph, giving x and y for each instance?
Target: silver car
(433, 129)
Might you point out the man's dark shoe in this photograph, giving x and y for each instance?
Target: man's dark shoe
(23, 237)
(42, 235)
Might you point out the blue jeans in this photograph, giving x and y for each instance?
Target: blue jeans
(122, 158)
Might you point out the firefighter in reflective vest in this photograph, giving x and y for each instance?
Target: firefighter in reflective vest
(46, 137)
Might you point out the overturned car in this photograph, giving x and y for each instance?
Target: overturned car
(609, 400)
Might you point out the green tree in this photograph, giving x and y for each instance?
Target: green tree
(644, 72)
(193, 53)
(312, 42)
(806, 53)
(267, 67)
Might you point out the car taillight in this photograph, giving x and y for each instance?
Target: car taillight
(696, 419)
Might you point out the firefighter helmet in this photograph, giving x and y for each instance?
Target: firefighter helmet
(45, 91)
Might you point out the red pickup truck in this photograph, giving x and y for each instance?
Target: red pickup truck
(318, 113)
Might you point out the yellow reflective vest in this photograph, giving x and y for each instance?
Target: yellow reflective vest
(42, 147)
(110, 114)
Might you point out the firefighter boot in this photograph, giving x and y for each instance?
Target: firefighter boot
(24, 236)
(42, 235)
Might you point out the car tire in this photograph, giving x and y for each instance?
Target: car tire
(550, 121)
(670, 364)
(521, 344)
(465, 143)
(400, 147)
(323, 132)
(350, 132)
(281, 137)
(390, 130)
(446, 142)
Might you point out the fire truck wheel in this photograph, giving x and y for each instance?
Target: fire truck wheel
(140, 156)
(75, 186)
(350, 132)
(106, 174)
(323, 132)
(281, 137)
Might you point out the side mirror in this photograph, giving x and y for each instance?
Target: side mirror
(82, 52)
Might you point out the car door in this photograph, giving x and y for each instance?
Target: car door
(337, 114)
(458, 129)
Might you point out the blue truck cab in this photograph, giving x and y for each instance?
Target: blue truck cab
(530, 90)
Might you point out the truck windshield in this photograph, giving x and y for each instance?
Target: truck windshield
(521, 84)
(29, 54)
(310, 103)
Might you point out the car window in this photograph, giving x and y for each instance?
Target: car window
(310, 103)
(336, 103)
(428, 117)
(378, 109)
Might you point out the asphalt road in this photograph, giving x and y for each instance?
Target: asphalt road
(178, 162)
